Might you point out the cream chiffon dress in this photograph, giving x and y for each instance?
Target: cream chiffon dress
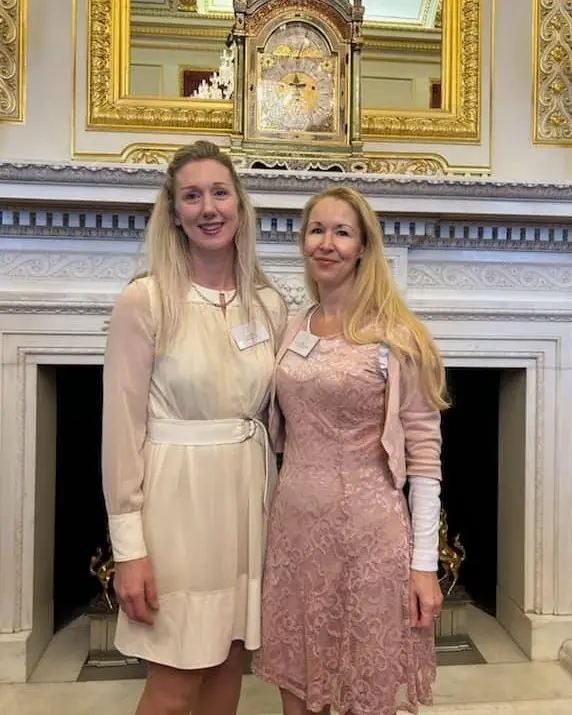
(186, 468)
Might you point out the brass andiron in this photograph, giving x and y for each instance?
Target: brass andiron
(451, 556)
(102, 566)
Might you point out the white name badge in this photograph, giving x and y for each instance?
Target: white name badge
(247, 336)
(303, 343)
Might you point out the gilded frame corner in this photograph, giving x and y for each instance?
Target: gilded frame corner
(108, 104)
(551, 58)
(460, 118)
(12, 60)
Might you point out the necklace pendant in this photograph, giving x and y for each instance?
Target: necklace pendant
(222, 299)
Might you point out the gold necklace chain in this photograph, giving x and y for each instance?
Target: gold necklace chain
(223, 302)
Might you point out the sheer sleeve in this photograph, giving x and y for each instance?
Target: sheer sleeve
(127, 372)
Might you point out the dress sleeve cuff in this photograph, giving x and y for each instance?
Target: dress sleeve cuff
(424, 560)
(126, 534)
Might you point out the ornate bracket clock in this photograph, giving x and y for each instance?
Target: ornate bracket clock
(297, 85)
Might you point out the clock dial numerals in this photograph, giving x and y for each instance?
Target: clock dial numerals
(296, 82)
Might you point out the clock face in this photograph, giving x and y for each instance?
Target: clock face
(297, 82)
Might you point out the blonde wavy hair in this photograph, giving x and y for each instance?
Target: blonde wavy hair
(170, 256)
(377, 312)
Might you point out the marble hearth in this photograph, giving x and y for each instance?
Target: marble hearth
(488, 266)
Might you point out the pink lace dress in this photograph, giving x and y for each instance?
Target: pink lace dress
(335, 607)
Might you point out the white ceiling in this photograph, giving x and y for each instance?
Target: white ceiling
(410, 12)
(413, 13)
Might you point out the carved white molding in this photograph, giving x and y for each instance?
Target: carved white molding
(474, 276)
(283, 181)
(99, 184)
(32, 265)
(51, 221)
(40, 276)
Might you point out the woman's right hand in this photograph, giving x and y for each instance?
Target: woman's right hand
(136, 591)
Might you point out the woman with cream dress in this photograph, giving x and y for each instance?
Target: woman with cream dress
(186, 459)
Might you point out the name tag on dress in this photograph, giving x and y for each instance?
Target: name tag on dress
(247, 336)
(303, 343)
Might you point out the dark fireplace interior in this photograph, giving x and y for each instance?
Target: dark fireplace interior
(470, 482)
(470, 476)
(80, 513)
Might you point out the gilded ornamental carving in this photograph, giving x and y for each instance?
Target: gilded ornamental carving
(552, 62)
(12, 28)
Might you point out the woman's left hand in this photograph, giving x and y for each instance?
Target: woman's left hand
(425, 598)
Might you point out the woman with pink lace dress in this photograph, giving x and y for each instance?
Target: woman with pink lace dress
(350, 587)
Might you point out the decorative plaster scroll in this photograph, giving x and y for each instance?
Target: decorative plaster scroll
(498, 276)
(292, 288)
(116, 267)
(70, 266)
(388, 163)
(552, 62)
(12, 29)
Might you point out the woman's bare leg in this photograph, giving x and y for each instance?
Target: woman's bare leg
(169, 691)
(220, 689)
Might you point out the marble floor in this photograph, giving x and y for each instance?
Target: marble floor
(507, 684)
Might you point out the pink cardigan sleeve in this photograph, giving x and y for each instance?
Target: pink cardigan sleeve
(421, 426)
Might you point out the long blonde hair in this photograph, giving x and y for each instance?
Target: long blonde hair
(170, 258)
(377, 312)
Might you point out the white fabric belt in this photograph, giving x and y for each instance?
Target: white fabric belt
(203, 433)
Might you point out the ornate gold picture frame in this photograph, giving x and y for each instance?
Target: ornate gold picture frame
(111, 107)
(109, 104)
(459, 120)
(12, 60)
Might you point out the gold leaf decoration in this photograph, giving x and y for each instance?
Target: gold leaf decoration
(553, 68)
(12, 13)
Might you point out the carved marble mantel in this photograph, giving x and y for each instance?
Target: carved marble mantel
(488, 265)
(137, 185)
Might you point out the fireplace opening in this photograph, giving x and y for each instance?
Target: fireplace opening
(80, 521)
(470, 482)
(470, 487)
(483, 471)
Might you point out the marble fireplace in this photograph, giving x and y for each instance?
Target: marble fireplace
(487, 265)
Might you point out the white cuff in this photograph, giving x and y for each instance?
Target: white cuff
(126, 534)
(425, 506)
